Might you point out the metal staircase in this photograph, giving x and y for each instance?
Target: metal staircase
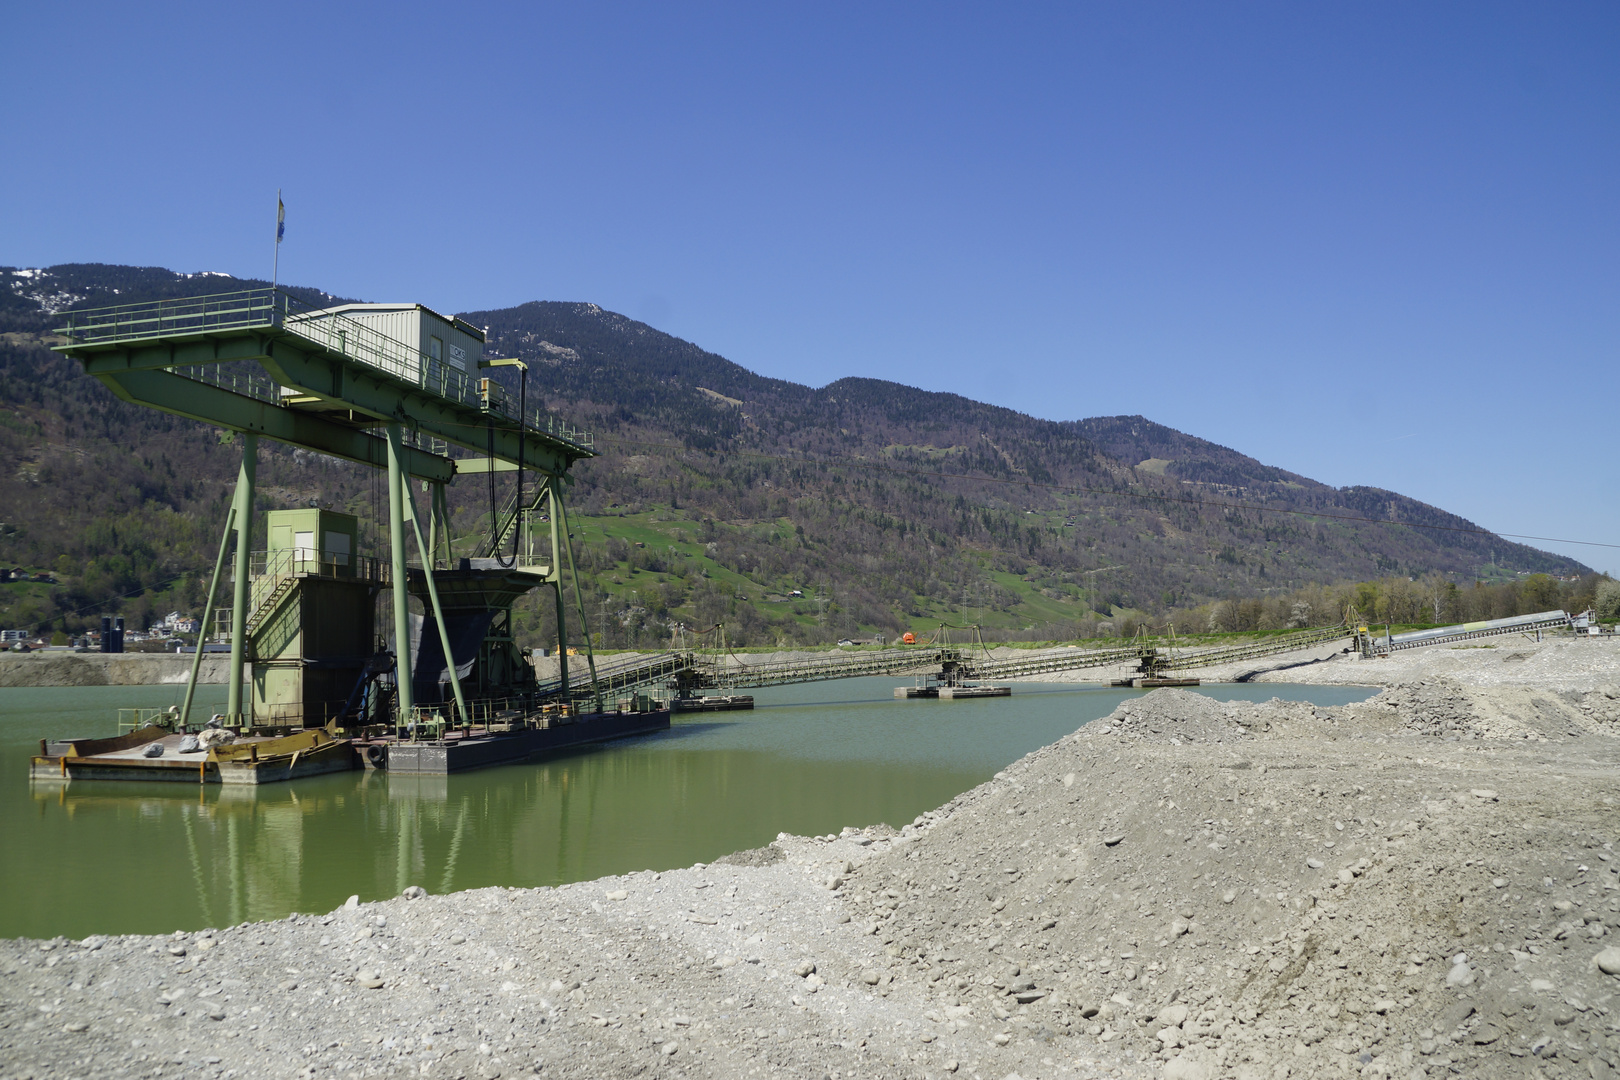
(506, 520)
(269, 604)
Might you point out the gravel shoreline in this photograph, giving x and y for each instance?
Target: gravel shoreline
(107, 669)
(1422, 884)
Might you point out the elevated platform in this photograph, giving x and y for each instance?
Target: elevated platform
(316, 378)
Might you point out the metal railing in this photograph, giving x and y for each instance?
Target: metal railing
(274, 573)
(1046, 662)
(730, 672)
(278, 309)
(167, 318)
(307, 562)
(136, 719)
(249, 382)
(1371, 644)
(618, 676)
(1253, 650)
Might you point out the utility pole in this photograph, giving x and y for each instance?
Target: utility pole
(1092, 574)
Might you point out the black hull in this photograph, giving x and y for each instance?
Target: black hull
(460, 755)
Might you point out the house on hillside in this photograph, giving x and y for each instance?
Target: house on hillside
(176, 623)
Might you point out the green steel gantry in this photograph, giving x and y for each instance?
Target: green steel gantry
(335, 385)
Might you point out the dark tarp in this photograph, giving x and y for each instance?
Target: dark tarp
(430, 675)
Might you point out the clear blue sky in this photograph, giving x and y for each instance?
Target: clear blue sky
(1372, 243)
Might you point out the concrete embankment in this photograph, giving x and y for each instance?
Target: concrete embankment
(106, 669)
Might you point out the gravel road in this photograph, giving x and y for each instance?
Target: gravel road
(1419, 885)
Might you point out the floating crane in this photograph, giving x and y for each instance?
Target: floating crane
(395, 387)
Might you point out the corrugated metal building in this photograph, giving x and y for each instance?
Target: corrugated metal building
(436, 348)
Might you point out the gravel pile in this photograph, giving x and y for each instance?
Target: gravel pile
(1446, 708)
(1562, 663)
(1420, 885)
(1250, 891)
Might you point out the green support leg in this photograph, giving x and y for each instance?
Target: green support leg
(243, 512)
(438, 613)
(208, 615)
(441, 493)
(579, 599)
(557, 589)
(437, 526)
(430, 560)
(400, 582)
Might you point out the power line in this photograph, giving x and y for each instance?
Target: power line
(1081, 489)
(153, 587)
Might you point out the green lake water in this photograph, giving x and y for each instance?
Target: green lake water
(96, 857)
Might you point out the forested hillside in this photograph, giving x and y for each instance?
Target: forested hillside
(718, 493)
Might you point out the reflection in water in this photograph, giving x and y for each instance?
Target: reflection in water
(121, 858)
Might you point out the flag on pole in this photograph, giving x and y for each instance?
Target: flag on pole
(281, 219)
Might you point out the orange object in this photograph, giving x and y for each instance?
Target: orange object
(908, 638)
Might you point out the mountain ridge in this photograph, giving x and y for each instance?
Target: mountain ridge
(901, 504)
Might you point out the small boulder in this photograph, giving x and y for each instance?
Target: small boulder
(1188, 1067)
(1455, 1016)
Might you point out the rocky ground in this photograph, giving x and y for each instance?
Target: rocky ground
(1556, 664)
(1423, 884)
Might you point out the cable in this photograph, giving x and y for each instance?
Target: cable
(837, 463)
(845, 463)
(1084, 490)
(103, 602)
(523, 431)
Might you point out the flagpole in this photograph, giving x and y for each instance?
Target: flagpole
(275, 265)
